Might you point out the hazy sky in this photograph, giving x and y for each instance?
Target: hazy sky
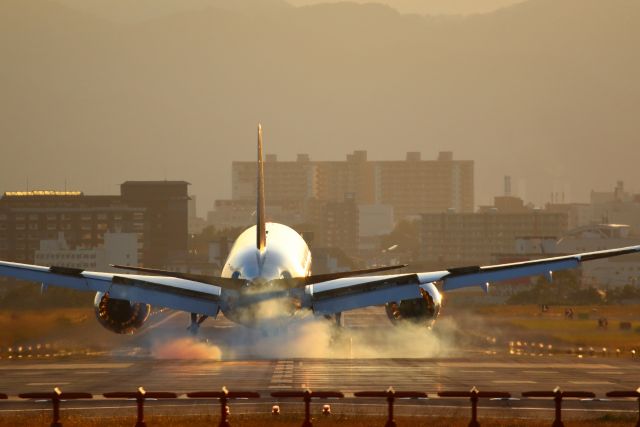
(133, 11)
(540, 90)
(433, 7)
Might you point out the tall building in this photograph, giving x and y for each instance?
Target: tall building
(166, 218)
(411, 186)
(334, 223)
(155, 211)
(289, 180)
(417, 186)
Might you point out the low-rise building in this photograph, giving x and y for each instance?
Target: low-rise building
(454, 239)
(609, 272)
(118, 248)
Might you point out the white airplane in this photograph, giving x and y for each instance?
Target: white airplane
(267, 278)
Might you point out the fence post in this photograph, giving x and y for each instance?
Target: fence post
(558, 401)
(307, 395)
(391, 395)
(635, 394)
(474, 408)
(55, 398)
(474, 395)
(558, 395)
(140, 406)
(224, 409)
(140, 396)
(223, 397)
(307, 409)
(391, 398)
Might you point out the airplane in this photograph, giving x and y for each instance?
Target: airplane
(267, 279)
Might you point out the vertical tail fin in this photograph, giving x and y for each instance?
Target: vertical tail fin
(261, 239)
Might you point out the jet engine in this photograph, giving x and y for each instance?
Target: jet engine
(118, 315)
(419, 310)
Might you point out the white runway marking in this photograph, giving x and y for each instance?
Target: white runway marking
(49, 384)
(282, 375)
(590, 382)
(509, 365)
(63, 366)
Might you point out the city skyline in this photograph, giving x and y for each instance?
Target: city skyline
(559, 192)
(96, 103)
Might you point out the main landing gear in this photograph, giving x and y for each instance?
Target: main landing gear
(196, 321)
(338, 331)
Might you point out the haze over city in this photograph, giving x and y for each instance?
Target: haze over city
(94, 95)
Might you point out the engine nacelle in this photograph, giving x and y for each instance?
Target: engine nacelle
(118, 315)
(419, 310)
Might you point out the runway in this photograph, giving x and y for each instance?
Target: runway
(502, 373)
(489, 368)
(498, 373)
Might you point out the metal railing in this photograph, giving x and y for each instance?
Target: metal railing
(390, 395)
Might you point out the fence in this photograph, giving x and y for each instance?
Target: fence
(390, 395)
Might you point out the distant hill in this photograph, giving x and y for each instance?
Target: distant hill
(546, 91)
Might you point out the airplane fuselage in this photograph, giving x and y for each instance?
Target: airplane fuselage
(285, 255)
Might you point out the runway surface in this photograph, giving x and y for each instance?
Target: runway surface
(486, 367)
(513, 374)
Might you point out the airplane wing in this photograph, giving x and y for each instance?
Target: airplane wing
(169, 292)
(357, 292)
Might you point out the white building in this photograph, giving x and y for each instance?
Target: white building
(118, 248)
(617, 271)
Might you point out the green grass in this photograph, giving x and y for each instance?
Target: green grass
(582, 333)
(524, 322)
